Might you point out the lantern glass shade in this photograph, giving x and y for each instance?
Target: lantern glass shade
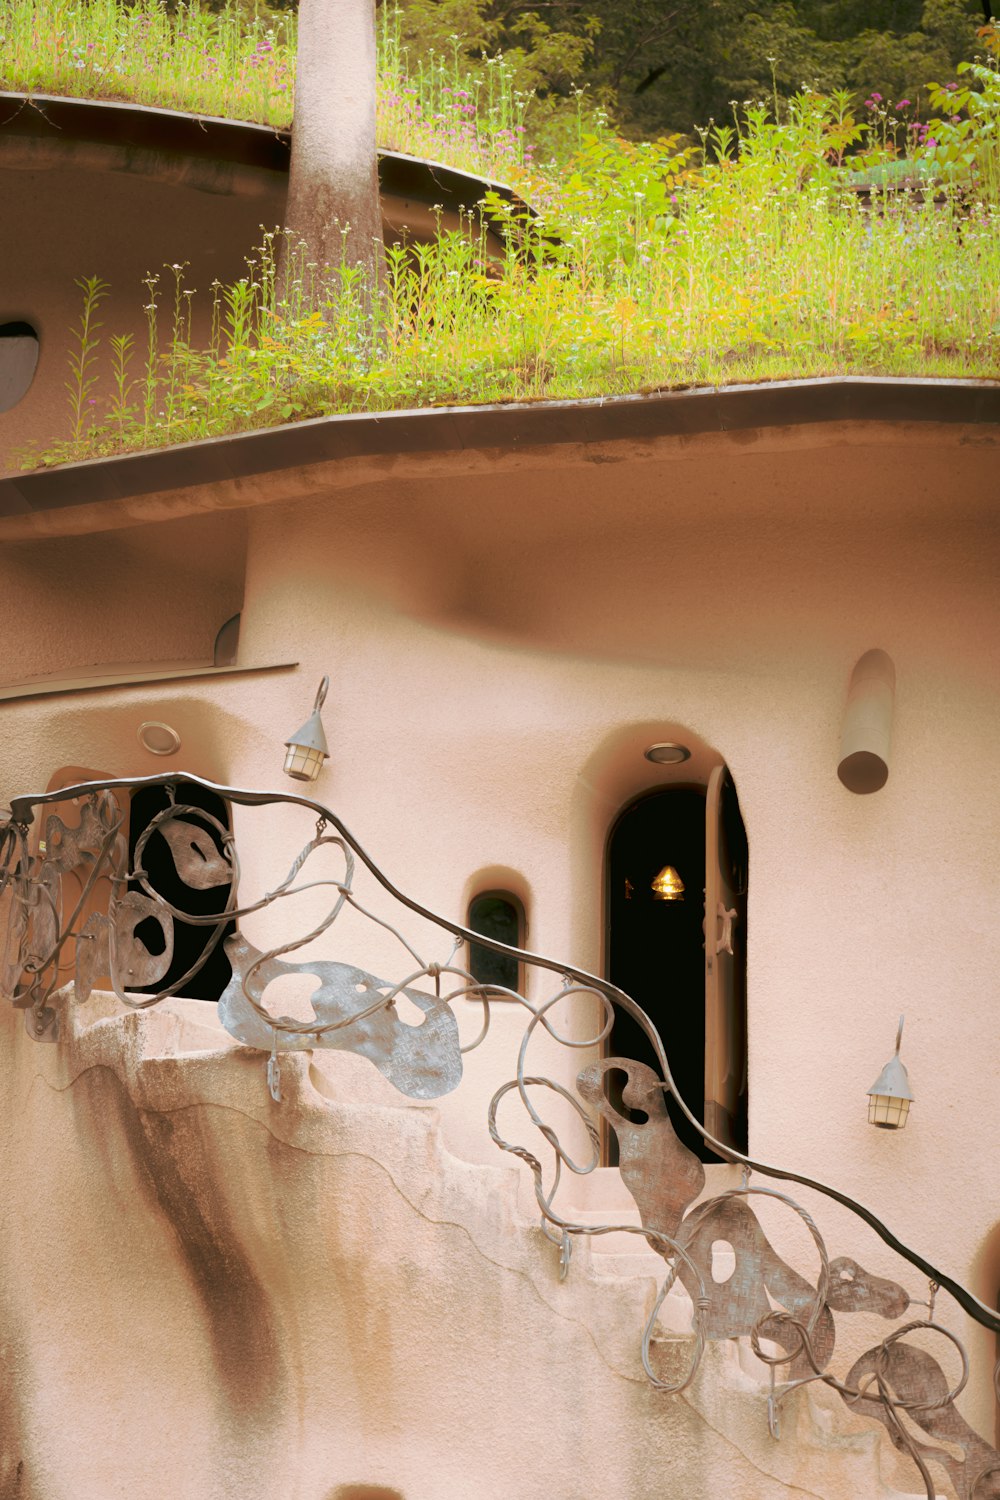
(887, 1111)
(303, 762)
(668, 885)
(890, 1095)
(306, 749)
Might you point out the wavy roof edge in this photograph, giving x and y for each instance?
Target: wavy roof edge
(513, 427)
(236, 142)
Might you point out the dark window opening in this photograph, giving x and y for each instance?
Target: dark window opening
(498, 915)
(662, 853)
(18, 359)
(190, 939)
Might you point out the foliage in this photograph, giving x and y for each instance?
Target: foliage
(743, 254)
(220, 64)
(964, 141)
(655, 68)
(437, 103)
(747, 261)
(491, 84)
(228, 63)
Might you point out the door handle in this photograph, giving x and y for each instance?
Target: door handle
(726, 915)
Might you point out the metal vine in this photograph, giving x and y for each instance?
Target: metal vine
(789, 1320)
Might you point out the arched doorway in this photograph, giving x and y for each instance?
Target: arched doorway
(671, 853)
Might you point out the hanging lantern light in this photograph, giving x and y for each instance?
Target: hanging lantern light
(307, 749)
(668, 885)
(889, 1097)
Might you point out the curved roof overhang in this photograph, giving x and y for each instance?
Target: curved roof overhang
(327, 454)
(214, 155)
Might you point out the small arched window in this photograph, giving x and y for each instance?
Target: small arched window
(18, 358)
(498, 915)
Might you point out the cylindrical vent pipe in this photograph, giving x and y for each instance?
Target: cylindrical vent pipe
(867, 731)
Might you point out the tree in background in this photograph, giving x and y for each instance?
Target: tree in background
(659, 66)
(333, 205)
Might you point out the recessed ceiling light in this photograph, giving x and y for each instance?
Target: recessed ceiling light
(157, 738)
(667, 754)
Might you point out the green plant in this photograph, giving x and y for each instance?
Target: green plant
(963, 143)
(650, 264)
(121, 409)
(230, 63)
(83, 355)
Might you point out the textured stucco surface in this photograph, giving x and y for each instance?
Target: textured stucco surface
(504, 639)
(205, 1294)
(156, 595)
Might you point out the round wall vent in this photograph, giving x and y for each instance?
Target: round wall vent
(158, 738)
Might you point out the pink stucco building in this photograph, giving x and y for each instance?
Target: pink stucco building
(346, 1293)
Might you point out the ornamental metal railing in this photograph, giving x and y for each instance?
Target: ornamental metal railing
(76, 899)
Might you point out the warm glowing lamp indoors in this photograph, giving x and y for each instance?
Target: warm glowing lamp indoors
(307, 749)
(668, 885)
(889, 1097)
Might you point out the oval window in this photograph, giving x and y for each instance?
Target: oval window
(18, 358)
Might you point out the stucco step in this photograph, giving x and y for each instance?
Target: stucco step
(617, 1264)
(602, 1192)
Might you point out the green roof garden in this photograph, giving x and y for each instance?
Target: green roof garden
(743, 253)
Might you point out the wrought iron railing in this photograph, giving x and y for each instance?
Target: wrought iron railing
(789, 1321)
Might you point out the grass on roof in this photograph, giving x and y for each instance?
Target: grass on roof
(653, 264)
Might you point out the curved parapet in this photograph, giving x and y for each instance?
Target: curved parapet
(207, 1293)
(228, 158)
(244, 1235)
(127, 192)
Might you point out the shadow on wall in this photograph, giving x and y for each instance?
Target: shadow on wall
(99, 730)
(986, 1283)
(364, 1492)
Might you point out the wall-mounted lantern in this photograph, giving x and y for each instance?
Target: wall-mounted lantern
(889, 1097)
(307, 749)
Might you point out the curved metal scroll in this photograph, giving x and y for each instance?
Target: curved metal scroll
(761, 1298)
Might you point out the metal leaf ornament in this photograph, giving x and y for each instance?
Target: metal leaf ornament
(132, 963)
(196, 859)
(355, 1012)
(92, 955)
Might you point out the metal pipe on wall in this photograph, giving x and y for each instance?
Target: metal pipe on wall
(867, 729)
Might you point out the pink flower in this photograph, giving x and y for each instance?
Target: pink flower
(902, 103)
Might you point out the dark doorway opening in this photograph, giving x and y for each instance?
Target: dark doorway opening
(191, 940)
(660, 851)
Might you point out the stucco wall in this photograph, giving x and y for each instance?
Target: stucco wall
(501, 651)
(208, 1295)
(139, 595)
(63, 224)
